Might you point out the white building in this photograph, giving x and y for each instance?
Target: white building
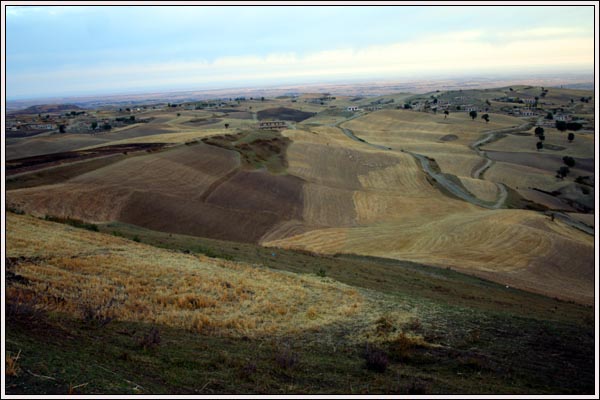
(352, 108)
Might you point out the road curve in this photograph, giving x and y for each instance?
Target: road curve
(452, 187)
(457, 190)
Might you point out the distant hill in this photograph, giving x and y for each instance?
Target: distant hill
(47, 108)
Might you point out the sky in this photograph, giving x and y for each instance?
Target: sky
(86, 50)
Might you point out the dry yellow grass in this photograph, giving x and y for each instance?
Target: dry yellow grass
(397, 127)
(421, 133)
(79, 270)
(521, 176)
(11, 366)
(521, 248)
(582, 146)
(180, 136)
(484, 190)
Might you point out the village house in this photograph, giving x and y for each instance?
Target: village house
(352, 108)
(39, 126)
(272, 125)
(563, 117)
(526, 113)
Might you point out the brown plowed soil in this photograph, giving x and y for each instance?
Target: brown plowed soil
(549, 162)
(284, 113)
(47, 160)
(199, 190)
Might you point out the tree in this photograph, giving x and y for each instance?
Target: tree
(542, 137)
(549, 116)
(407, 106)
(562, 172)
(62, 128)
(473, 114)
(132, 118)
(561, 125)
(94, 125)
(539, 131)
(226, 126)
(107, 127)
(179, 114)
(569, 161)
(486, 117)
(571, 137)
(574, 126)
(262, 99)
(539, 146)
(446, 112)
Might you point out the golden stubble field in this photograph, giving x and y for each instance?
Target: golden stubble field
(341, 196)
(81, 273)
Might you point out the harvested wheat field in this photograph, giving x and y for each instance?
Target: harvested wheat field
(197, 189)
(80, 272)
(519, 248)
(395, 128)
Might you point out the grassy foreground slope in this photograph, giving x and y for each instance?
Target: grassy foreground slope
(94, 313)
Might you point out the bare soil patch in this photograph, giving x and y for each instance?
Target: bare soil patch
(284, 113)
(47, 160)
(203, 121)
(549, 162)
(448, 138)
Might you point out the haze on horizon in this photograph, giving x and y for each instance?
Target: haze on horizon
(85, 50)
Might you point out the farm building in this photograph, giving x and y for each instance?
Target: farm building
(562, 117)
(272, 125)
(527, 113)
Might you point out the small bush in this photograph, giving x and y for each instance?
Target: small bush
(150, 340)
(321, 272)
(414, 325)
(136, 239)
(417, 387)
(248, 370)
(12, 366)
(376, 359)
(403, 346)
(286, 359)
(77, 223)
(15, 210)
(23, 306)
(384, 325)
(98, 315)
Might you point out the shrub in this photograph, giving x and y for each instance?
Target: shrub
(12, 367)
(15, 210)
(402, 347)
(73, 222)
(150, 340)
(417, 387)
(376, 359)
(569, 161)
(286, 358)
(414, 325)
(98, 315)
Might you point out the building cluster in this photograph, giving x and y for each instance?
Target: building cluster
(272, 125)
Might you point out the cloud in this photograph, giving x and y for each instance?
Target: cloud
(458, 52)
